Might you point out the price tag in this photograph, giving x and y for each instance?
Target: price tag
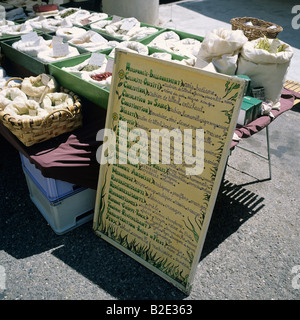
(31, 36)
(56, 40)
(97, 59)
(60, 49)
(45, 79)
(85, 21)
(109, 65)
(96, 37)
(116, 19)
(127, 25)
(23, 28)
(41, 18)
(37, 42)
(32, 112)
(65, 23)
(200, 63)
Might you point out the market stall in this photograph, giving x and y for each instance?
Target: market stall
(79, 55)
(72, 156)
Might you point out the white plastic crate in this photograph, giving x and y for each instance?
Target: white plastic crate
(65, 214)
(53, 189)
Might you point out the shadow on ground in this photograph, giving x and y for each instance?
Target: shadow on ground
(24, 233)
(124, 278)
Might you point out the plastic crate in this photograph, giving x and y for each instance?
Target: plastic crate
(66, 214)
(51, 188)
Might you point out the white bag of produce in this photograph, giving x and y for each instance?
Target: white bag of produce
(222, 46)
(266, 62)
(226, 64)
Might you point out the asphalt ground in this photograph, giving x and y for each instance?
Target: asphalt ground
(251, 251)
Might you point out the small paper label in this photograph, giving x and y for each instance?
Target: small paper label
(45, 79)
(65, 23)
(96, 37)
(109, 65)
(85, 21)
(116, 19)
(97, 59)
(41, 18)
(31, 36)
(60, 49)
(32, 112)
(37, 43)
(23, 28)
(127, 25)
(56, 40)
(200, 63)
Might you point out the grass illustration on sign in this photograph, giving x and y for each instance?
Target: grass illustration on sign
(145, 252)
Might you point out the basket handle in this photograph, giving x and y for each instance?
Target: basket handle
(58, 110)
(11, 79)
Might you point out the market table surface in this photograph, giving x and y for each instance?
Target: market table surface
(71, 157)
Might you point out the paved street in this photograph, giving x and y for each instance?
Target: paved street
(252, 248)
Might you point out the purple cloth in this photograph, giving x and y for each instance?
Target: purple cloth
(71, 157)
(286, 103)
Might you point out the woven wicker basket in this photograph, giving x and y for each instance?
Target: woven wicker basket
(259, 29)
(39, 129)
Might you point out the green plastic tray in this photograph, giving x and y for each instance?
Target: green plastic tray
(182, 35)
(83, 88)
(28, 62)
(111, 38)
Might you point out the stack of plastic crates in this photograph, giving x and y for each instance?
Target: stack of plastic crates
(65, 206)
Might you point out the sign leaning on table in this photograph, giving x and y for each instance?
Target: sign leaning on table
(167, 138)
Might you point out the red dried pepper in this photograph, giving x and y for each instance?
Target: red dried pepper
(101, 76)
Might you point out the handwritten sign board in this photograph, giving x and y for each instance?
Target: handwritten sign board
(170, 132)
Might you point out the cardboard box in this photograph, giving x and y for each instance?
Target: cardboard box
(256, 105)
(249, 110)
(247, 88)
(245, 115)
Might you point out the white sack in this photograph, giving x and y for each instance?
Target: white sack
(265, 69)
(226, 64)
(221, 41)
(222, 46)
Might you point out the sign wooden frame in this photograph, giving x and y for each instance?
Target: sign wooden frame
(157, 213)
